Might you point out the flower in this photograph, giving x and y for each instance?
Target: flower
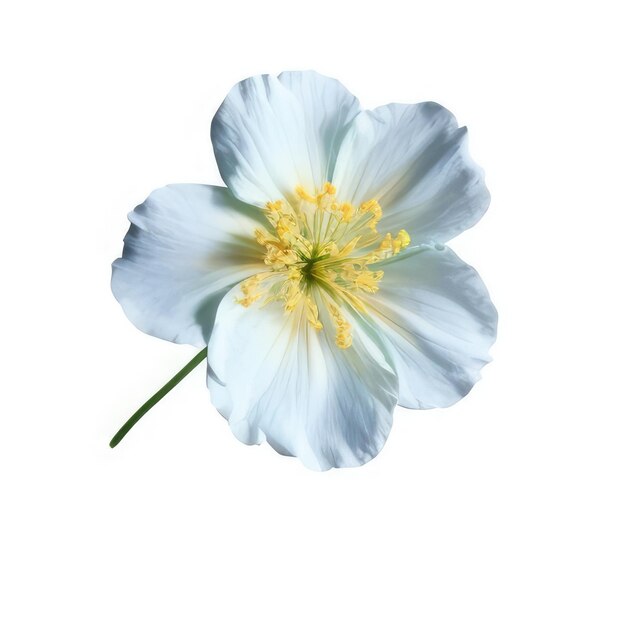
(319, 278)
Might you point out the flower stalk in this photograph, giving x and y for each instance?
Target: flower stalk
(159, 395)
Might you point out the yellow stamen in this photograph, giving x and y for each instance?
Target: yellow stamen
(401, 241)
(312, 314)
(262, 236)
(303, 195)
(368, 281)
(249, 290)
(390, 246)
(279, 259)
(343, 338)
(372, 206)
(347, 212)
(330, 189)
(275, 207)
(318, 252)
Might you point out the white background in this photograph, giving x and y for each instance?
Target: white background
(506, 509)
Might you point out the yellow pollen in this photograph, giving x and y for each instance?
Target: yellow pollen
(317, 253)
(343, 338)
(303, 195)
(284, 226)
(390, 246)
(347, 212)
(372, 206)
(279, 259)
(292, 296)
(404, 238)
(368, 281)
(261, 236)
(312, 314)
(249, 291)
(330, 189)
(275, 207)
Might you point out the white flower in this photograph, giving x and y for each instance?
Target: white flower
(318, 278)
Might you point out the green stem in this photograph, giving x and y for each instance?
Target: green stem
(159, 395)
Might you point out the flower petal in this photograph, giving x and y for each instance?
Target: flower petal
(414, 160)
(436, 314)
(274, 133)
(187, 245)
(287, 383)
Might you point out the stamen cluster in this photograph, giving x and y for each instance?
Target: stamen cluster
(317, 251)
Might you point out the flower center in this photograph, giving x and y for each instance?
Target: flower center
(317, 251)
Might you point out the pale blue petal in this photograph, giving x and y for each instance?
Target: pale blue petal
(274, 133)
(438, 319)
(414, 160)
(286, 383)
(186, 247)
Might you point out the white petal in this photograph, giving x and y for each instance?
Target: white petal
(414, 160)
(437, 316)
(274, 133)
(186, 247)
(289, 384)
